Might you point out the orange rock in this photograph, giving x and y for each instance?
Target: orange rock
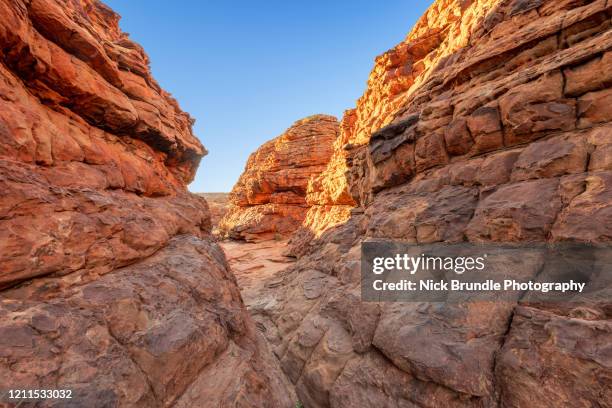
(489, 123)
(110, 283)
(217, 204)
(269, 200)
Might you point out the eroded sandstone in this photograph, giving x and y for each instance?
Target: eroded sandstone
(269, 199)
(489, 123)
(217, 205)
(110, 283)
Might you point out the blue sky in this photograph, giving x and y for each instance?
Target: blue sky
(246, 70)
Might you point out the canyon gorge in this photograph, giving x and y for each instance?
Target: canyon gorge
(489, 123)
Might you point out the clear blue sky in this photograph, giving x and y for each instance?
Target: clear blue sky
(246, 70)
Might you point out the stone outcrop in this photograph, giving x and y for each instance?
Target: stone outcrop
(489, 123)
(110, 284)
(444, 29)
(217, 205)
(269, 199)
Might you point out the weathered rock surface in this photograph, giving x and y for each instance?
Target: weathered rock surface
(269, 199)
(217, 205)
(253, 263)
(489, 123)
(170, 330)
(110, 284)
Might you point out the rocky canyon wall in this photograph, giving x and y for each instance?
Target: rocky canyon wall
(445, 28)
(489, 123)
(109, 282)
(270, 198)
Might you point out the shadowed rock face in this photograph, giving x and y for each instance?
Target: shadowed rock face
(269, 199)
(109, 282)
(489, 123)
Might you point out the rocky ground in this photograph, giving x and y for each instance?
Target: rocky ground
(255, 266)
(489, 123)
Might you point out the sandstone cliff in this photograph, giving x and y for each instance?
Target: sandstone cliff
(269, 199)
(489, 123)
(109, 282)
(444, 29)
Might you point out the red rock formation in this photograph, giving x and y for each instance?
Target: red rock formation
(489, 123)
(269, 199)
(217, 204)
(111, 285)
(442, 30)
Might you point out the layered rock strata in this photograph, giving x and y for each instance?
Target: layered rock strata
(217, 205)
(269, 199)
(489, 123)
(110, 284)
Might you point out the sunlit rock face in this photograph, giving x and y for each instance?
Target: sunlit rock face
(445, 29)
(109, 282)
(270, 198)
(489, 123)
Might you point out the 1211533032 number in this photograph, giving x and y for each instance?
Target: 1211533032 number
(30, 394)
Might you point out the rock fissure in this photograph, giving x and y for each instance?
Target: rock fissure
(489, 123)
